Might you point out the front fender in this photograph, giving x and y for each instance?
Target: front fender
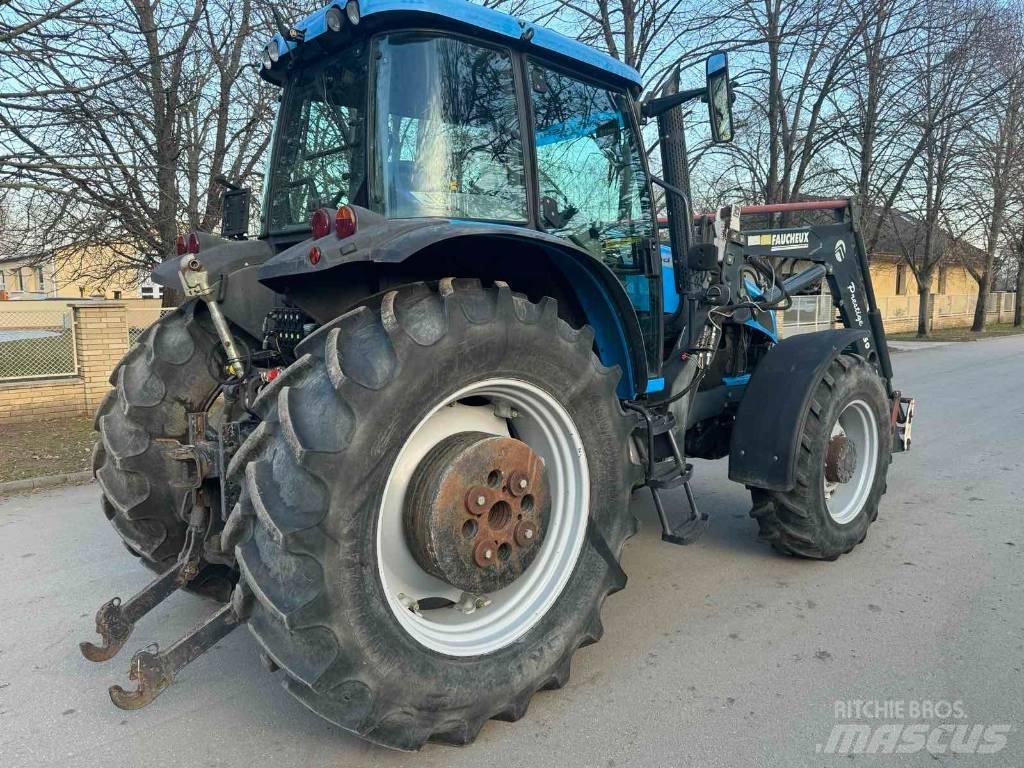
(770, 419)
(601, 296)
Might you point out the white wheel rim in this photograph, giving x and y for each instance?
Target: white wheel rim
(543, 424)
(844, 501)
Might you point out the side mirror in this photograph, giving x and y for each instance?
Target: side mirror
(719, 97)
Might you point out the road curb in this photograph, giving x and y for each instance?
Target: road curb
(47, 481)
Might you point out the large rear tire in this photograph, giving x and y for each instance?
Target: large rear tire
(311, 528)
(821, 517)
(163, 378)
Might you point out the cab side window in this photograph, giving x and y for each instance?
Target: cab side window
(592, 184)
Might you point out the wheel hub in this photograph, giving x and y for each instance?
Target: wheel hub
(476, 510)
(840, 459)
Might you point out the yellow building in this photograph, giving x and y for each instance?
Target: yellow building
(72, 276)
(891, 276)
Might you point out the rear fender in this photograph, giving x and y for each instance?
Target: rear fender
(434, 248)
(769, 421)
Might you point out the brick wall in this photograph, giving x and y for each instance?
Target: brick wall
(101, 340)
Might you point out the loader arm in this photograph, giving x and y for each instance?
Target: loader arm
(839, 248)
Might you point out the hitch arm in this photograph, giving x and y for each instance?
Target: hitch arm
(154, 671)
(115, 620)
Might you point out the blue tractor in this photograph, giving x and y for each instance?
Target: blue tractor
(397, 431)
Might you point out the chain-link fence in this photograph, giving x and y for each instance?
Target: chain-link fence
(37, 345)
(140, 319)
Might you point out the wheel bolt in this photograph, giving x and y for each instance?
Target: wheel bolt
(477, 500)
(525, 533)
(518, 482)
(484, 553)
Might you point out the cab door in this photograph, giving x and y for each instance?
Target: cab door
(592, 185)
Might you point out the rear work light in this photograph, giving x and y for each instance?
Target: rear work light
(320, 223)
(179, 245)
(345, 221)
(352, 11)
(193, 243)
(334, 18)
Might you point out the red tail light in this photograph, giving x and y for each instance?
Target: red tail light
(345, 222)
(193, 243)
(320, 224)
(314, 255)
(179, 245)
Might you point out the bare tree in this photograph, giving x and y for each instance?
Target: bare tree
(654, 36)
(877, 103)
(998, 143)
(1015, 262)
(119, 151)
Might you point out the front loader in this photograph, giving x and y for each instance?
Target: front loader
(396, 433)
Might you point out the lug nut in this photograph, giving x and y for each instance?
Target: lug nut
(525, 533)
(476, 499)
(484, 553)
(518, 482)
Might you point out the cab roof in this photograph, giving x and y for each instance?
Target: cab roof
(461, 13)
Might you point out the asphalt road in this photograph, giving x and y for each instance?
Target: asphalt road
(717, 654)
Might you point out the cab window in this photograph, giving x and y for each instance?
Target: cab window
(592, 184)
(448, 133)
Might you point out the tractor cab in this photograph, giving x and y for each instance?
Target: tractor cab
(443, 110)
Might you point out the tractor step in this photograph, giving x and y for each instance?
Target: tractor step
(115, 620)
(153, 671)
(677, 527)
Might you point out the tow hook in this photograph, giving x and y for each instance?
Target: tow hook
(902, 419)
(153, 671)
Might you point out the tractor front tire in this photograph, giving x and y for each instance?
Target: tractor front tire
(164, 377)
(310, 529)
(821, 518)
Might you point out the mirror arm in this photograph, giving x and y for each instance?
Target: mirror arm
(669, 187)
(655, 107)
(687, 205)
